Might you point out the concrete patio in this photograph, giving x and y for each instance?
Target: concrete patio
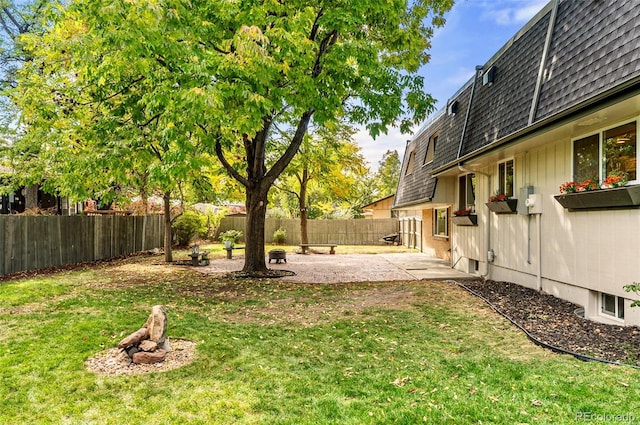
(341, 268)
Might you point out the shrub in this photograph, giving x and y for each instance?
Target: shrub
(187, 226)
(232, 236)
(213, 220)
(279, 236)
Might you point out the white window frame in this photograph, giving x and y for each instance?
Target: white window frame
(446, 223)
(411, 163)
(431, 148)
(617, 314)
(465, 196)
(513, 182)
(600, 134)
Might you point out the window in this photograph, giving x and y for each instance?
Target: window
(611, 151)
(467, 192)
(440, 222)
(611, 305)
(505, 178)
(412, 157)
(431, 149)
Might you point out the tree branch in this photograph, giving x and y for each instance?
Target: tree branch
(316, 27)
(243, 181)
(286, 190)
(325, 44)
(292, 149)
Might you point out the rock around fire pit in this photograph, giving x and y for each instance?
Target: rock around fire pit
(145, 350)
(149, 344)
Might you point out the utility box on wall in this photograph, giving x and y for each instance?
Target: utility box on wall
(534, 203)
(523, 209)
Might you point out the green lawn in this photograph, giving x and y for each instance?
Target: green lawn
(280, 353)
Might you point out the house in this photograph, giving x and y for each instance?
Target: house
(380, 208)
(559, 102)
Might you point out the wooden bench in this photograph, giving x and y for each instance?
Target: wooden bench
(332, 246)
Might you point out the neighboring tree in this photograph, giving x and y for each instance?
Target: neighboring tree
(17, 18)
(329, 158)
(385, 179)
(223, 74)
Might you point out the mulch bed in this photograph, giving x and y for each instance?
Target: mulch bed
(554, 322)
(268, 274)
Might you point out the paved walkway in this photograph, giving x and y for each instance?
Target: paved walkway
(341, 268)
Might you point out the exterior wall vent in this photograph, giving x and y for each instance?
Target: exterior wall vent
(489, 77)
(453, 108)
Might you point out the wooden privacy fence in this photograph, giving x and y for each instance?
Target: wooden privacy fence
(343, 232)
(37, 242)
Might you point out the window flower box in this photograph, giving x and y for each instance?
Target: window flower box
(616, 197)
(465, 220)
(505, 206)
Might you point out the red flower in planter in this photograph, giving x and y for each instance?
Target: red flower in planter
(462, 212)
(498, 197)
(568, 187)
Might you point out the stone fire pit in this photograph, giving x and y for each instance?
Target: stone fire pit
(148, 344)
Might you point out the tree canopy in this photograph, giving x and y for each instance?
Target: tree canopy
(217, 77)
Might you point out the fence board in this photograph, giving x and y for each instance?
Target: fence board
(343, 232)
(36, 242)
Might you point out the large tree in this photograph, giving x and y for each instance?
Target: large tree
(385, 179)
(327, 158)
(225, 72)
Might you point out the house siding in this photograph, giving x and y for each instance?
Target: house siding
(575, 255)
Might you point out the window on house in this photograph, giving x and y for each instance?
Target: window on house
(431, 149)
(440, 222)
(608, 152)
(505, 178)
(586, 161)
(412, 157)
(612, 305)
(619, 151)
(467, 192)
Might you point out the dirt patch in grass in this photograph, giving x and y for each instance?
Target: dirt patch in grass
(312, 310)
(555, 322)
(114, 361)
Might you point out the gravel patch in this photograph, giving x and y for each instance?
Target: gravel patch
(554, 322)
(114, 361)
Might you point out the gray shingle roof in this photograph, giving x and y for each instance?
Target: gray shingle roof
(589, 58)
(595, 46)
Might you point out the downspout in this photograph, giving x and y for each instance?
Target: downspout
(532, 115)
(466, 118)
(464, 130)
(487, 229)
(543, 62)
(539, 268)
(487, 236)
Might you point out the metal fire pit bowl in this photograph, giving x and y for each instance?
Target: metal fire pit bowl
(279, 255)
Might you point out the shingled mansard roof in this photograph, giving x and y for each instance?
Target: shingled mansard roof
(593, 51)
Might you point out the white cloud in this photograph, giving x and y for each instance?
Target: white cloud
(512, 12)
(460, 77)
(374, 149)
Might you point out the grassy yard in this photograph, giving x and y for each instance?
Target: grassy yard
(282, 353)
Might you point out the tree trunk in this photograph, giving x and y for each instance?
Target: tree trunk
(31, 197)
(302, 202)
(254, 231)
(168, 254)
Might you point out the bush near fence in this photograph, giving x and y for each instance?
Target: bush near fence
(342, 232)
(38, 242)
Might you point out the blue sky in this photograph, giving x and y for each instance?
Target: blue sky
(475, 30)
